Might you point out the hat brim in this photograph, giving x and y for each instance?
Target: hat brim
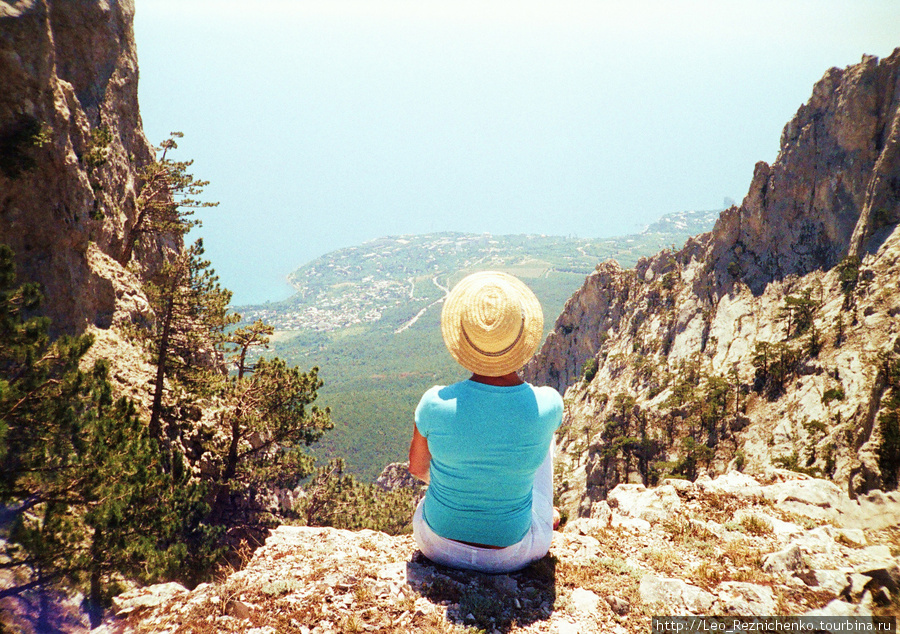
(510, 359)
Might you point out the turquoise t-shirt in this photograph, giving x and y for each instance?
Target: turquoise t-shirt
(486, 444)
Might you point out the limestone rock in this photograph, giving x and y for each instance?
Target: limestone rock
(733, 483)
(652, 505)
(783, 560)
(595, 574)
(396, 475)
(832, 581)
(746, 599)
(67, 73)
(584, 601)
(634, 524)
(601, 512)
(884, 575)
(840, 608)
(618, 605)
(676, 594)
(683, 487)
(148, 597)
(586, 525)
(817, 540)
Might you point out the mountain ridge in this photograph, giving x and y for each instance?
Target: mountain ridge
(770, 340)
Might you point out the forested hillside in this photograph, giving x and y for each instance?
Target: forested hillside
(369, 318)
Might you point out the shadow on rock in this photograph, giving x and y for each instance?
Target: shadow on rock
(489, 602)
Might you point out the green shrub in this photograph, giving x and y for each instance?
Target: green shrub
(589, 370)
(889, 451)
(815, 426)
(336, 498)
(848, 276)
(17, 143)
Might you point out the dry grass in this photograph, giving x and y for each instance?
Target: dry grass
(663, 560)
(742, 554)
(707, 575)
(352, 624)
(684, 531)
(756, 525)
(579, 576)
(752, 525)
(719, 507)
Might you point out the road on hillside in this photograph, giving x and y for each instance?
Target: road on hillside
(424, 310)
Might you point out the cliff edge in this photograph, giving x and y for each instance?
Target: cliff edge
(769, 341)
(71, 151)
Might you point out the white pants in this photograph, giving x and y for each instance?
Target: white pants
(532, 547)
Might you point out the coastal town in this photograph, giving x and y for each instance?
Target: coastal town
(403, 276)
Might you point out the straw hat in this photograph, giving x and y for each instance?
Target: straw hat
(492, 323)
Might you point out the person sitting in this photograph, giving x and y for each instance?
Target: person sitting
(485, 445)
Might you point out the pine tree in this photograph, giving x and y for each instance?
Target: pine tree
(79, 475)
(166, 199)
(268, 418)
(192, 314)
(335, 498)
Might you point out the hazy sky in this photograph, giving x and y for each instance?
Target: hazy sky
(325, 123)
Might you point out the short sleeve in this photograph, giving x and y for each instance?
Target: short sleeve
(424, 414)
(553, 403)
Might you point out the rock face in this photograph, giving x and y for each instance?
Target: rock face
(397, 476)
(72, 143)
(702, 558)
(831, 192)
(722, 311)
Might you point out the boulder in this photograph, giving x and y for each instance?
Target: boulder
(785, 560)
(600, 511)
(674, 596)
(840, 608)
(618, 605)
(857, 585)
(817, 499)
(636, 500)
(684, 487)
(583, 601)
(147, 597)
(852, 537)
(885, 574)
(746, 599)
(585, 526)
(817, 540)
(633, 524)
(832, 581)
(734, 483)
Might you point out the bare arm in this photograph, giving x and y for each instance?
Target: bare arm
(419, 456)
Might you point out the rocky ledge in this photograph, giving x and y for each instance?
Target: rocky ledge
(725, 546)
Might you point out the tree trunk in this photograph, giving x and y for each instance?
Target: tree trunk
(155, 426)
(95, 596)
(232, 460)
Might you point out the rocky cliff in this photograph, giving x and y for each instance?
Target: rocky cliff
(71, 147)
(770, 339)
